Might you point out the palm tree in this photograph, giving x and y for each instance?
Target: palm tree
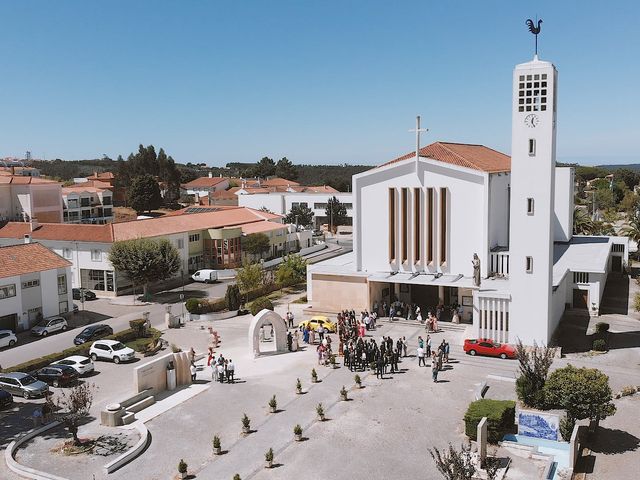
(582, 223)
(632, 229)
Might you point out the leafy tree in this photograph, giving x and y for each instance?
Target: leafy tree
(300, 215)
(629, 177)
(144, 260)
(454, 464)
(256, 244)
(286, 169)
(582, 223)
(604, 198)
(144, 194)
(71, 406)
(632, 229)
(292, 270)
(249, 277)
(534, 368)
(264, 168)
(630, 203)
(582, 392)
(336, 213)
(232, 297)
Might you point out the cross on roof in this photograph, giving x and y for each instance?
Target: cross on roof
(418, 131)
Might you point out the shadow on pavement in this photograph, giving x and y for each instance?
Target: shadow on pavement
(612, 441)
(174, 297)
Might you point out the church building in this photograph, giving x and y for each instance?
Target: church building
(419, 221)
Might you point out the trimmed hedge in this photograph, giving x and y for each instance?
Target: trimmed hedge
(201, 306)
(260, 304)
(599, 345)
(500, 418)
(36, 363)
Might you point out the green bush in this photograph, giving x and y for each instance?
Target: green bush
(192, 305)
(599, 345)
(602, 327)
(500, 418)
(138, 325)
(200, 306)
(260, 304)
(232, 297)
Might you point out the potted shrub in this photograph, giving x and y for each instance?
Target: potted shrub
(182, 469)
(332, 361)
(237, 477)
(217, 449)
(298, 386)
(246, 424)
(343, 394)
(320, 412)
(358, 380)
(314, 376)
(268, 458)
(297, 432)
(273, 404)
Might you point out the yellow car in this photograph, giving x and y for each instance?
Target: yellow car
(318, 320)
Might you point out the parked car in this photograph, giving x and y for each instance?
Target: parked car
(93, 332)
(318, 320)
(6, 399)
(7, 338)
(486, 346)
(49, 325)
(57, 375)
(206, 276)
(23, 384)
(82, 365)
(79, 292)
(111, 350)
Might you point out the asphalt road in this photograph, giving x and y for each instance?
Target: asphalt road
(59, 341)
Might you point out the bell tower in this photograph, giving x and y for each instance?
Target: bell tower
(533, 162)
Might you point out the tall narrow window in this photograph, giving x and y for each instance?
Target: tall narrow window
(416, 225)
(392, 225)
(532, 147)
(405, 223)
(443, 225)
(529, 265)
(429, 223)
(530, 206)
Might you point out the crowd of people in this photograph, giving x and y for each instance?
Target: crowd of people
(412, 311)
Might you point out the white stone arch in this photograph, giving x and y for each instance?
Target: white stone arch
(279, 327)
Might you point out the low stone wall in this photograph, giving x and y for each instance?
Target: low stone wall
(213, 316)
(133, 452)
(22, 470)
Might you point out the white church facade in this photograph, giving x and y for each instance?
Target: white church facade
(419, 220)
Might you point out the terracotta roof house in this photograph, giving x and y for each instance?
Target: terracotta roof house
(35, 283)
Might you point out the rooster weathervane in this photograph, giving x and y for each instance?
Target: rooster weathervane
(535, 30)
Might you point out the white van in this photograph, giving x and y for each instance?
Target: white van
(205, 276)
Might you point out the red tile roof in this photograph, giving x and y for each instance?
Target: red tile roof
(476, 157)
(218, 217)
(261, 227)
(25, 180)
(101, 176)
(28, 258)
(204, 182)
(277, 182)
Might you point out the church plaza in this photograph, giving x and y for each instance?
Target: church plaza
(383, 431)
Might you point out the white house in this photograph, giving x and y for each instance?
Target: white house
(87, 204)
(25, 197)
(282, 202)
(419, 220)
(35, 283)
(203, 186)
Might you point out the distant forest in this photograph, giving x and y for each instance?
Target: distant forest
(337, 176)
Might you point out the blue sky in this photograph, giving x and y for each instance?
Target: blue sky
(316, 81)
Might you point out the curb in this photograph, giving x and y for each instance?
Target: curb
(133, 452)
(21, 470)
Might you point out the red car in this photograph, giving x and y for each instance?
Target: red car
(486, 346)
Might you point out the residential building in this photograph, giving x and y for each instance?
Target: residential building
(204, 237)
(420, 219)
(203, 186)
(282, 202)
(87, 204)
(24, 197)
(35, 283)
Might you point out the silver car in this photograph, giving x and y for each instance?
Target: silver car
(49, 325)
(23, 384)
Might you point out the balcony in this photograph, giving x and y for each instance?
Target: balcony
(499, 262)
